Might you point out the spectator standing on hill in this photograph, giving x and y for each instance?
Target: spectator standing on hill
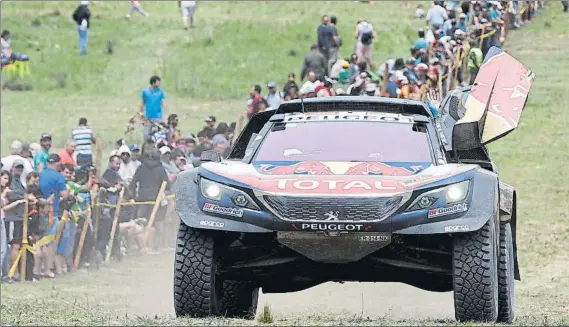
(335, 49)
(290, 83)
(255, 97)
(41, 157)
(315, 62)
(84, 137)
(66, 154)
(421, 43)
(327, 36)
(16, 214)
(153, 105)
(53, 186)
(188, 12)
(274, 98)
(16, 154)
(365, 35)
(82, 16)
(565, 5)
(436, 16)
(135, 6)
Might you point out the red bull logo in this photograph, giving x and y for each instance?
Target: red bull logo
(511, 83)
(301, 168)
(379, 168)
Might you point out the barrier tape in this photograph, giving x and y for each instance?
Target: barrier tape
(25, 247)
(108, 205)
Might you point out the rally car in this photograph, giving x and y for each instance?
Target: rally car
(364, 189)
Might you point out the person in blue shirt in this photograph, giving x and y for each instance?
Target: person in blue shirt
(421, 43)
(153, 105)
(53, 184)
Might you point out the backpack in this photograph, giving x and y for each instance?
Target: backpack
(367, 35)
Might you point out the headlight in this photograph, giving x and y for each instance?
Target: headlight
(215, 191)
(451, 193)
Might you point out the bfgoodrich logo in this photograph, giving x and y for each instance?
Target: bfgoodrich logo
(460, 207)
(223, 210)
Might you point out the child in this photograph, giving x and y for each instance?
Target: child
(41, 267)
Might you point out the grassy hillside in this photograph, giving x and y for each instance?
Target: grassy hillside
(234, 45)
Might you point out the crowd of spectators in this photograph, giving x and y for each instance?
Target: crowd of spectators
(447, 53)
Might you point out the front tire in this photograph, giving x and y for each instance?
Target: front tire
(239, 299)
(475, 275)
(197, 287)
(506, 301)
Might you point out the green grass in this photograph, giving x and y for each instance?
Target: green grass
(209, 70)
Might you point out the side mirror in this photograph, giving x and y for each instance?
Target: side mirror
(210, 155)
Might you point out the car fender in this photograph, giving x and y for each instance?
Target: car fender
(508, 213)
(190, 213)
(484, 205)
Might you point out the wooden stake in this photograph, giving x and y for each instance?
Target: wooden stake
(62, 221)
(25, 242)
(154, 211)
(82, 239)
(114, 228)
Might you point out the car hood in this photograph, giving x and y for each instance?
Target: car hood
(331, 178)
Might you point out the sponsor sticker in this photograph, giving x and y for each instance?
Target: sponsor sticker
(210, 223)
(210, 207)
(459, 207)
(457, 228)
(330, 227)
(375, 238)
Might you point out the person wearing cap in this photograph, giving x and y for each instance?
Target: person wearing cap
(153, 106)
(16, 214)
(210, 121)
(344, 75)
(135, 155)
(40, 157)
(314, 62)
(274, 98)
(127, 167)
(53, 187)
(16, 152)
(82, 16)
(462, 24)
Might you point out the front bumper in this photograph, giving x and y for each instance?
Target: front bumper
(482, 205)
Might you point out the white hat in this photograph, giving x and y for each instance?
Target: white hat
(165, 150)
(84, 2)
(16, 147)
(123, 149)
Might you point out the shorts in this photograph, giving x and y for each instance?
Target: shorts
(17, 232)
(364, 51)
(188, 11)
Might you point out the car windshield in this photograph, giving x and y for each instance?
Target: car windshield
(356, 141)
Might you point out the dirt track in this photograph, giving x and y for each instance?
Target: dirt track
(389, 300)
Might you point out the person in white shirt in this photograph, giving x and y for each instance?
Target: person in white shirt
(15, 154)
(127, 168)
(274, 98)
(188, 11)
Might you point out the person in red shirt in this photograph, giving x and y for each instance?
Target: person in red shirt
(66, 154)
